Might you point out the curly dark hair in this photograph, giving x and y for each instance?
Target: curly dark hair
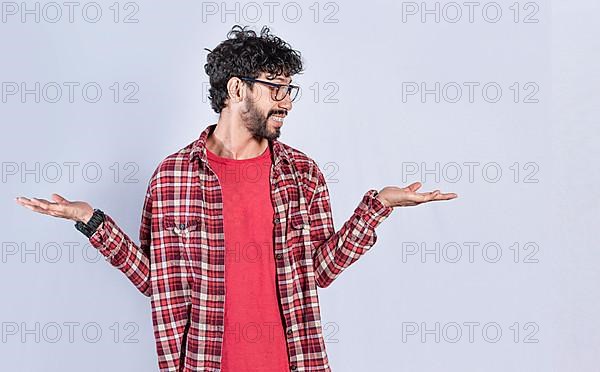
(246, 54)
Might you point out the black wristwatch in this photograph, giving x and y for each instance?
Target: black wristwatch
(90, 227)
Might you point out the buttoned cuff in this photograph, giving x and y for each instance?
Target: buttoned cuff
(106, 238)
(372, 210)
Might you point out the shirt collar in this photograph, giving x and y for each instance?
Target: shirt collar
(278, 150)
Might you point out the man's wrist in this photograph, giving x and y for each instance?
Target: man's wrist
(89, 228)
(381, 199)
(86, 217)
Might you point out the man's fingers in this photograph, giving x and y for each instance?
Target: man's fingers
(21, 199)
(47, 207)
(446, 196)
(36, 208)
(408, 196)
(25, 201)
(55, 208)
(431, 196)
(426, 196)
(43, 206)
(45, 203)
(419, 197)
(41, 203)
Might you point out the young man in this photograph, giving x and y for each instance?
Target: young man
(236, 231)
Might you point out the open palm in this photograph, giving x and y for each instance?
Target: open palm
(393, 196)
(59, 207)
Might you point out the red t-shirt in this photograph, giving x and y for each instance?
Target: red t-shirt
(254, 339)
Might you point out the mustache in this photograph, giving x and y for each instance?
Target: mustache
(280, 112)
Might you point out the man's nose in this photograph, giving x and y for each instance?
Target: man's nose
(286, 103)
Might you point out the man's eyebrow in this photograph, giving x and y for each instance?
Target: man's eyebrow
(282, 79)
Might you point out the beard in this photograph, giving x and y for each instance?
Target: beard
(256, 122)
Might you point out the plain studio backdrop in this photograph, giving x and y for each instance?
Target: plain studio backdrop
(496, 101)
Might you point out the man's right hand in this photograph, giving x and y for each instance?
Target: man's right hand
(59, 207)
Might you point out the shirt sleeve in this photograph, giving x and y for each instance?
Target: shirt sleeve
(121, 252)
(335, 251)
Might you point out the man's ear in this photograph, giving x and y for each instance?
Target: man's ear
(235, 90)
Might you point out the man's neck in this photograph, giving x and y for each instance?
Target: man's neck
(234, 142)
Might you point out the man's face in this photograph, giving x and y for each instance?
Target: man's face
(262, 114)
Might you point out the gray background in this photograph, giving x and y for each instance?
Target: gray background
(352, 119)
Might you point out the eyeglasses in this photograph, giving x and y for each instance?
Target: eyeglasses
(281, 90)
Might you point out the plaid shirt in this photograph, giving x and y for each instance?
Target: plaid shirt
(179, 263)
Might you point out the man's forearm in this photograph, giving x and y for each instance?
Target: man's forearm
(123, 253)
(335, 251)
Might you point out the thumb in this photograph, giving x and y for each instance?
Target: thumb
(414, 186)
(58, 198)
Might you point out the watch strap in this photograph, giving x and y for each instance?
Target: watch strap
(91, 226)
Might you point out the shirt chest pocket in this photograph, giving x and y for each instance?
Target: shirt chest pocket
(179, 234)
(298, 233)
(299, 220)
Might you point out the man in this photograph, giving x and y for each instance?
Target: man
(236, 231)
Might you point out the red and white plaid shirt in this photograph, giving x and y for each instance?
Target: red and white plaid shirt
(179, 263)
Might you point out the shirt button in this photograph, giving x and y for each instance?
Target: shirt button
(182, 226)
(276, 220)
(278, 256)
(289, 332)
(293, 367)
